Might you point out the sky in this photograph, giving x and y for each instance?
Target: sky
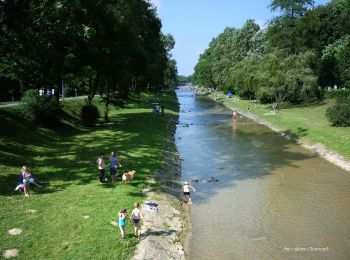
(194, 23)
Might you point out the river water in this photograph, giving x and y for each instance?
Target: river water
(258, 195)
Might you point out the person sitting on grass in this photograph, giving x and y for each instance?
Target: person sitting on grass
(122, 215)
(27, 179)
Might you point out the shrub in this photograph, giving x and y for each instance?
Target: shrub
(44, 110)
(337, 93)
(265, 95)
(89, 114)
(339, 114)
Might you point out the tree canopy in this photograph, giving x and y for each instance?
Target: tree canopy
(303, 48)
(104, 46)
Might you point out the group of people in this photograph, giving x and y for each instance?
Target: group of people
(136, 217)
(25, 179)
(113, 166)
(49, 92)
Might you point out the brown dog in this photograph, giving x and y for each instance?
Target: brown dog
(128, 176)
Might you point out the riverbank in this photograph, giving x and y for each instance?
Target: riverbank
(307, 126)
(71, 216)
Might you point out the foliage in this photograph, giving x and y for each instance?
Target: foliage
(339, 93)
(265, 95)
(339, 114)
(224, 52)
(86, 44)
(184, 79)
(301, 51)
(339, 52)
(89, 114)
(44, 110)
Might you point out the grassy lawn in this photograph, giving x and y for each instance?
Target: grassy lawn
(307, 123)
(65, 160)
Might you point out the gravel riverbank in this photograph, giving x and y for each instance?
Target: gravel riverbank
(164, 224)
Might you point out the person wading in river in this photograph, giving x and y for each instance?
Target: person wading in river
(186, 191)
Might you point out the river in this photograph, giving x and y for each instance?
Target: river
(258, 195)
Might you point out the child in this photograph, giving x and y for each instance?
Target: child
(122, 221)
(101, 167)
(186, 191)
(27, 178)
(136, 217)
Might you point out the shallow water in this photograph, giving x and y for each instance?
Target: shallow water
(259, 196)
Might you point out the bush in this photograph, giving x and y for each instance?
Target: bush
(44, 110)
(89, 114)
(337, 93)
(339, 114)
(265, 95)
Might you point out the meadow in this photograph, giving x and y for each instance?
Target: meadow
(69, 217)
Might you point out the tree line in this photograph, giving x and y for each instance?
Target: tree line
(105, 47)
(302, 51)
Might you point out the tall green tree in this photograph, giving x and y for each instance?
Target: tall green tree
(283, 31)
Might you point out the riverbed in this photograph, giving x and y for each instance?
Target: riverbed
(259, 195)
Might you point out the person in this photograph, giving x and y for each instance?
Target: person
(186, 191)
(122, 215)
(162, 109)
(234, 115)
(113, 165)
(136, 217)
(101, 167)
(27, 179)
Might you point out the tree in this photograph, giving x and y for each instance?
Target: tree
(283, 30)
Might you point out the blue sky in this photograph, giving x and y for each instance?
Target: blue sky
(194, 23)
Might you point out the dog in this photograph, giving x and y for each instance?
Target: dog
(128, 176)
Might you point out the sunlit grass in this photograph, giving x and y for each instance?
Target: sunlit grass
(64, 159)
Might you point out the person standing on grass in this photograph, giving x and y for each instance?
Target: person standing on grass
(122, 215)
(136, 217)
(101, 167)
(113, 166)
(27, 179)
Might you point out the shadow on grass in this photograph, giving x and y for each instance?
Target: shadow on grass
(67, 155)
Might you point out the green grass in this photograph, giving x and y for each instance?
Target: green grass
(65, 159)
(307, 123)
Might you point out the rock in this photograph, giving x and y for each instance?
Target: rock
(15, 231)
(10, 253)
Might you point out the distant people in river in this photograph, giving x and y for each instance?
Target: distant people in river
(186, 192)
(113, 166)
(101, 167)
(136, 217)
(234, 115)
